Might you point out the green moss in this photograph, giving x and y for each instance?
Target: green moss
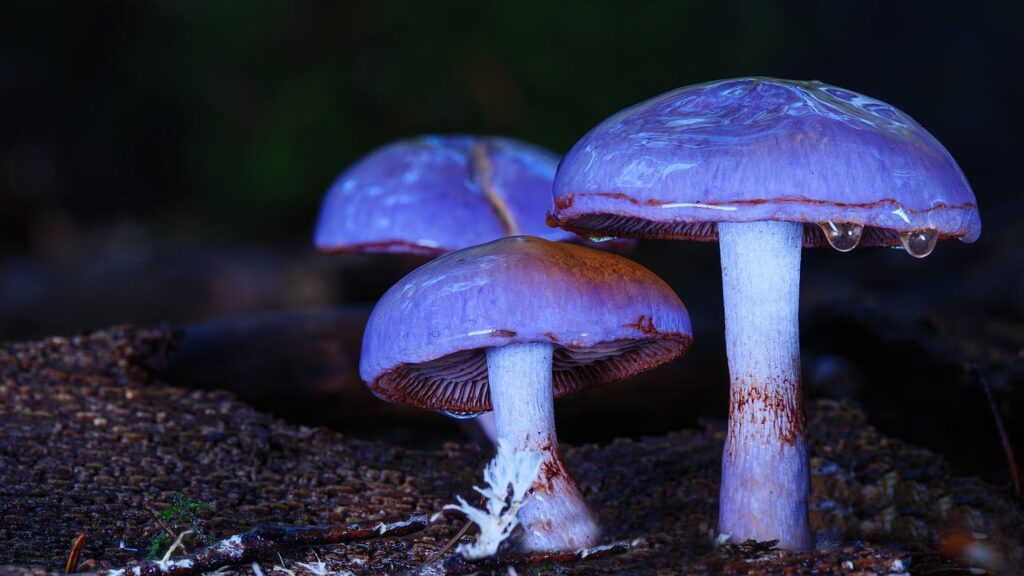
(158, 545)
(182, 510)
(180, 515)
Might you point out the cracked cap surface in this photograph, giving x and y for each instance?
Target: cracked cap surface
(434, 194)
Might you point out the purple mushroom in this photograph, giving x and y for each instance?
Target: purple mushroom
(434, 194)
(766, 167)
(514, 324)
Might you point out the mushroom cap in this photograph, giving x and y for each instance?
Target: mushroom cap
(608, 318)
(753, 149)
(427, 196)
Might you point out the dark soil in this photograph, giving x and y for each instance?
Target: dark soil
(93, 441)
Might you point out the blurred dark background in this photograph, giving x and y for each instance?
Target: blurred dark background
(164, 161)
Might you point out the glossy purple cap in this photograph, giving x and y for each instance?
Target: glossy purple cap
(754, 149)
(608, 317)
(434, 194)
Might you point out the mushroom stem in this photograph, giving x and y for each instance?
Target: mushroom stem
(487, 426)
(554, 514)
(765, 473)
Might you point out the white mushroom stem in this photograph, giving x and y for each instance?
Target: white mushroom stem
(764, 467)
(554, 514)
(486, 423)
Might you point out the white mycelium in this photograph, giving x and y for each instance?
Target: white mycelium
(507, 478)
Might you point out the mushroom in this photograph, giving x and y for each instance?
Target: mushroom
(434, 194)
(766, 167)
(514, 324)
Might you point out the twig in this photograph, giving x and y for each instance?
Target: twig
(76, 550)
(265, 540)
(1011, 460)
(171, 532)
(459, 565)
(177, 544)
(437, 555)
(186, 509)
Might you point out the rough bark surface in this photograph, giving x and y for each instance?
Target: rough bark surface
(91, 440)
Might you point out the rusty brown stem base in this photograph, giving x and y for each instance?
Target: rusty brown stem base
(459, 565)
(270, 539)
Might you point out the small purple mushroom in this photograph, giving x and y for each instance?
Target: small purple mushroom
(766, 167)
(514, 324)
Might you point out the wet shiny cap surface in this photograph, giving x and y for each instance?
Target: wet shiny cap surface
(608, 318)
(434, 194)
(754, 149)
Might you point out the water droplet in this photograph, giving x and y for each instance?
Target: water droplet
(459, 415)
(600, 238)
(843, 236)
(920, 243)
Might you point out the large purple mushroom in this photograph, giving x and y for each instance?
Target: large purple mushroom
(514, 324)
(766, 167)
(434, 194)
